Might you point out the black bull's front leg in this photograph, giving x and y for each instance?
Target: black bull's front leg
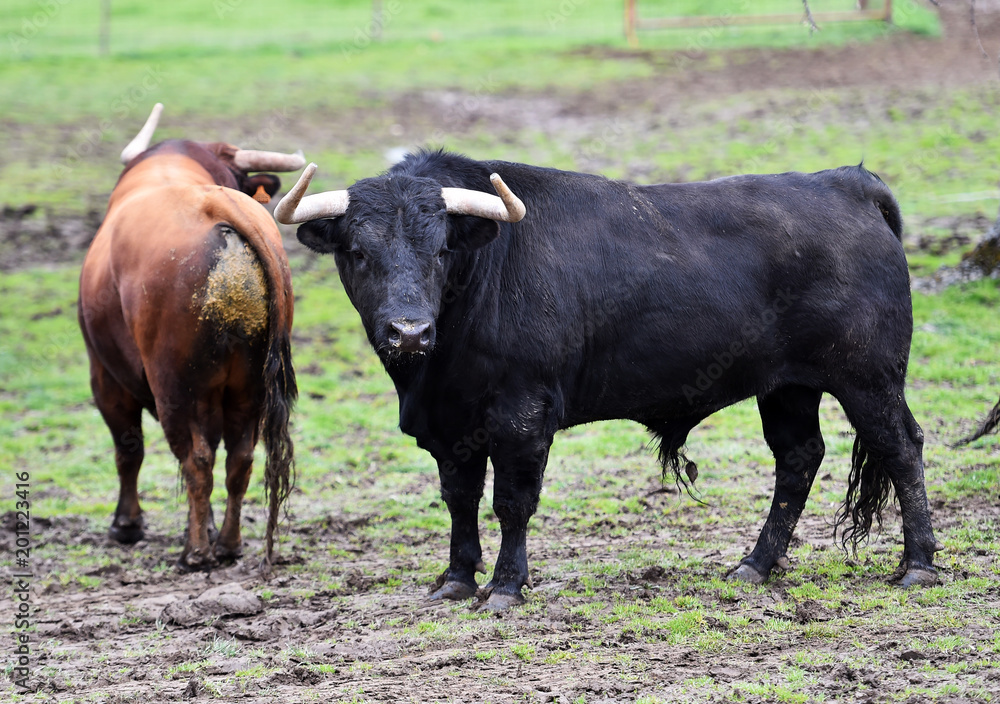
(519, 459)
(518, 467)
(462, 482)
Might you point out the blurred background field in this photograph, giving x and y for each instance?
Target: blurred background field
(314, 74)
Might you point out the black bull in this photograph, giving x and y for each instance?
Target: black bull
(659, 304)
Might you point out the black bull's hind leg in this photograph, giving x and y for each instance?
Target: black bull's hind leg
(790, 418)
(888, 451)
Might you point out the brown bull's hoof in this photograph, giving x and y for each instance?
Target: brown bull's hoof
(746, 573)
(454, 591)
(917, 577)
(497, 602)
(196, 562)
(127, 533)
(225, 553)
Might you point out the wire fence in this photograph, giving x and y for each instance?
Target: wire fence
(43, 28)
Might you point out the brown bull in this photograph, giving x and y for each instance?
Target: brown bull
(186, 311)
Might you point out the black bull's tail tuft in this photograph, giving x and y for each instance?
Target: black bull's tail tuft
(989, 425)
(868, 489)
(673, 461)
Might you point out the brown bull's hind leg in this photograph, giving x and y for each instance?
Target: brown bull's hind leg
(240, 439)
(193, 430)
(122, 413)
(197, 471)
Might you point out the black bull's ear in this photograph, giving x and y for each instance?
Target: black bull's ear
(323, 236)
(471, 232)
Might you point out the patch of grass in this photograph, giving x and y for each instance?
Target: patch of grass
(228, 647)
(523, 651)
(557, 656)
(191, 666)
(298, 652)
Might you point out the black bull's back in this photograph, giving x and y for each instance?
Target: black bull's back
(660, 304)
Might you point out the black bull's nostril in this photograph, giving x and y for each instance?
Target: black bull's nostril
(411, 336)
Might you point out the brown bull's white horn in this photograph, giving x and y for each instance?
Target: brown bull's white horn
(253, 160)
(141, 142)
(293, 208)
(506, 208)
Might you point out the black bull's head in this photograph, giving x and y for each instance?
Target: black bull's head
(394, 238)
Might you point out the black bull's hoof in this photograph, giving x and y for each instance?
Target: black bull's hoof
(913, 576)
(490, 600)
(917, 577)
(746, 573)
(454, 591)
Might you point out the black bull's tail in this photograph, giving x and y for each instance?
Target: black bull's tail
(868, 488)
(868, 484)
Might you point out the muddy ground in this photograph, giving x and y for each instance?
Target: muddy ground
(141, 631)
(149, 633)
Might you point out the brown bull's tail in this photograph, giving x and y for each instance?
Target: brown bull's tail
(868, 489)
(280, 391)
(989, 425)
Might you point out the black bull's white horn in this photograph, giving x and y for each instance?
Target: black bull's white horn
(141, 142)
(293, 208)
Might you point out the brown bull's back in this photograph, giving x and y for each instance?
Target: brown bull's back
(186, 308)
(178, 257)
